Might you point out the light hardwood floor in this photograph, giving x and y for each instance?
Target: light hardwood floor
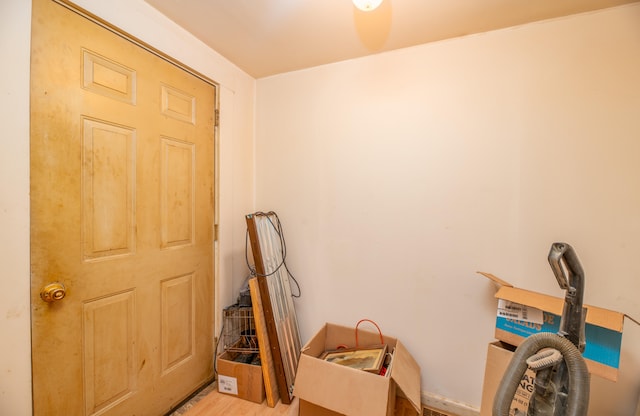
(214, 403)
(210, 402)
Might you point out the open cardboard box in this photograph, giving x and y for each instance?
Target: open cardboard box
(239, 379)
(329, 389)
(603, 327)
(603, 333)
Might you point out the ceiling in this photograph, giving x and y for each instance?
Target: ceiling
(267, 37)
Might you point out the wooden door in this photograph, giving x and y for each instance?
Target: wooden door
(122, 151)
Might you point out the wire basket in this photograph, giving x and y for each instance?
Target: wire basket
(239, 332)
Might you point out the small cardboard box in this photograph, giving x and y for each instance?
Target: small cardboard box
(329, 389)
(239, 379)
(498, 358)
(603, 327)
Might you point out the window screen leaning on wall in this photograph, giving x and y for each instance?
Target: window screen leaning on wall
(269, 253)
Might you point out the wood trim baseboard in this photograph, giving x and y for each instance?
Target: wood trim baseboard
(447, 405)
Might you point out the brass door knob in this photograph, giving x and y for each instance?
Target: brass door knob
(53, 292)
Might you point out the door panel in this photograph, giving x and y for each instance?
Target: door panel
(122, 216)
(108, 191)
(109, 352)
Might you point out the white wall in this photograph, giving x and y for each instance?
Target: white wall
(400, 175)
(15, 357)
(237, 92)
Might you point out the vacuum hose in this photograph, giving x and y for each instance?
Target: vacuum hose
(579, 379)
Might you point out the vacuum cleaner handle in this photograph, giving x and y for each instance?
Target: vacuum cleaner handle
(568, 271)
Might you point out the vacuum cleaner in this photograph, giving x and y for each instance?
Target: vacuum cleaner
(562, 382)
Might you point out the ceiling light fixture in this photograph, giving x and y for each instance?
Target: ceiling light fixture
(367, 5)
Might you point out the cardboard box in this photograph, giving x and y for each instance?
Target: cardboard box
(603, 328)
(239, 379)
(498, 358)
(329, 389)
(403, 407)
